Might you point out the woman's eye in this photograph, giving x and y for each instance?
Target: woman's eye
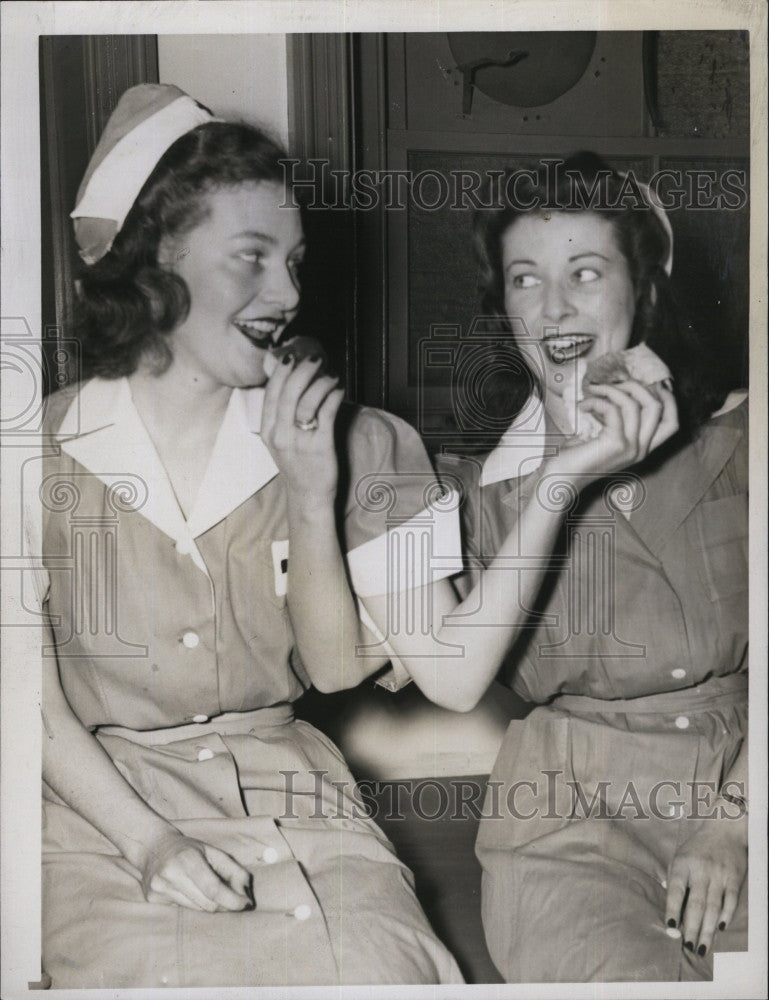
(585, 274)
(524, 280)
(251, 256)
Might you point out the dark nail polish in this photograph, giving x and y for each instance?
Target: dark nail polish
(701, 950)
(314, 358)
(722, 925)
(288, 359)
(672, 922)
(689, 945)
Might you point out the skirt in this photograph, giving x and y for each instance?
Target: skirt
(333, 903)
(586, 807)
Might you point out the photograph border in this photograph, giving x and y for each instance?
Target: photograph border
(20, 312)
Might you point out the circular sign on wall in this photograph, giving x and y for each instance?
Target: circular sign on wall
(555, 62)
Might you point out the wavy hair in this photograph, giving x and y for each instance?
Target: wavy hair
(127, 303)
(660, 319)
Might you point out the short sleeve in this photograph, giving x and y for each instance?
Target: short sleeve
(401, 523)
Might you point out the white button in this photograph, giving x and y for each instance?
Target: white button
(270, 856)
(682, 722)
(205, 754)
(190, 639)
(200, 718)
(679, 673)
(673, 932)
(302, 912)
(184, 546)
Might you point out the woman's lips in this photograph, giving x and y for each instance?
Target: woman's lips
(261, 332)
(567, 347)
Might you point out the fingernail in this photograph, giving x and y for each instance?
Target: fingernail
(689, 945)
(722, 925)
(701, 950)
(288, 359)
(314, 358)
(672, 922)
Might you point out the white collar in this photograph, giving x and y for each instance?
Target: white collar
(103, 431)
(521, 448)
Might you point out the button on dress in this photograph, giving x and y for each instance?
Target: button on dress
(636, 654)
(175, 647)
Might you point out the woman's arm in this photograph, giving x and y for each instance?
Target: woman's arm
(324, 613)
(174, 868)
(484, 625)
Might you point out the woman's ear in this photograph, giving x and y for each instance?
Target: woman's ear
(646, 290)
(170, 251)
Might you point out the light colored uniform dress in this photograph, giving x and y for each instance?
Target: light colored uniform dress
(639, 663)
(175, 647)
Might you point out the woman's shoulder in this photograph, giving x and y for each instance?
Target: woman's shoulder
(364, 420)
(377, 438)
(734, 411)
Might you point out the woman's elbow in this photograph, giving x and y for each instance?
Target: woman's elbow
(458, 701)
(328, 685)
(332, 681)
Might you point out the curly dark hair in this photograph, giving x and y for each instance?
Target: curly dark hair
(127, 303)
(660, 318)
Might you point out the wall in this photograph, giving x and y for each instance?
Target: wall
(253, 86)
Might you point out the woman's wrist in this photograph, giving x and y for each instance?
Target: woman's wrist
(310, 505)
(732, 808)
(556, 488)
(140, 848)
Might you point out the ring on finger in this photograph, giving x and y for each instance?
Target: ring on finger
(307, 425)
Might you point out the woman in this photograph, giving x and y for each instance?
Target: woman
(599, 863)
(195, 834)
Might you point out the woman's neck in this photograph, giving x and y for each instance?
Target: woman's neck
(179, 401)
(182, 415)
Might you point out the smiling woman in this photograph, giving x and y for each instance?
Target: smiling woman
(196, 834)
(635, 652)
(242, 259)
(569, 284)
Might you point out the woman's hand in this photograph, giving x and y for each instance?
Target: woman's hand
(705, 879)
(188, 872)
(307, 458)
(635, 420)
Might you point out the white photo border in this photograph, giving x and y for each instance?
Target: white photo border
(739, 975)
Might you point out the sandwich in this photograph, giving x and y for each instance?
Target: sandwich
(638, 363)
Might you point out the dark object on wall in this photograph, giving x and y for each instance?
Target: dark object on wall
(555, 61)
(321, 124)
(567, 83)
(470, 70)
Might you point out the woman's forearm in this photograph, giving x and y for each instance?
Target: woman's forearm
(79, 770)
(455, 661)
(323, 611)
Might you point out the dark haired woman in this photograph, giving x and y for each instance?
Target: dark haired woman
(195, 834)
(616, 847)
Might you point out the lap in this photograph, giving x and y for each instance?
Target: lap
(573, 913)
(360, 920)
(572, 895)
